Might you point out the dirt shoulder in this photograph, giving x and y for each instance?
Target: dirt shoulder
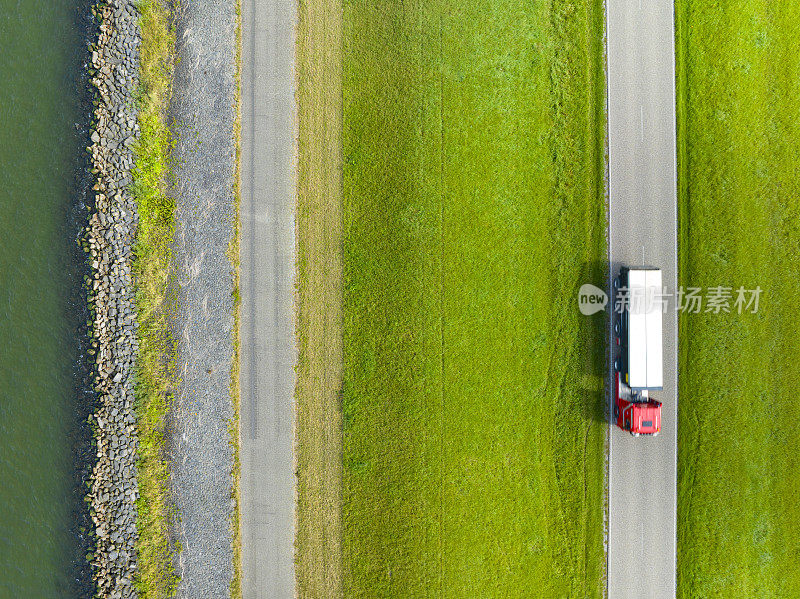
(319, 244)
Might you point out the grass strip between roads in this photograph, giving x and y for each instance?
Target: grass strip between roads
(472, 209)
(235, 388)
(156, 358)
(738, 472)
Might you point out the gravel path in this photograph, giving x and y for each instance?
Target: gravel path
(202, 458)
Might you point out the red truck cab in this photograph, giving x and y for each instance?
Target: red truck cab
(635, 412)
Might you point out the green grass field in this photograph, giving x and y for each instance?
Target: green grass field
(472, 387)
(739, 473)
(155, 360)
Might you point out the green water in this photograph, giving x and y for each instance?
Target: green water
(41, 49)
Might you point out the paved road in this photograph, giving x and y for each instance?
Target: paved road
(267, 286)
(643, 231)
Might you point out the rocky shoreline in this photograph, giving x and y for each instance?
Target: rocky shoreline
(109, 244)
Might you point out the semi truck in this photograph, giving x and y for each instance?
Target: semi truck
(638, 362)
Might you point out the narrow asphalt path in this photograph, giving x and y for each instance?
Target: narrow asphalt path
(643, 231)
(268, 351)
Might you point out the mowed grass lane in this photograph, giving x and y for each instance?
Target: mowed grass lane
(472, 387)
(738, 467)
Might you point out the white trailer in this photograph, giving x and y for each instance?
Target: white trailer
(639, 304)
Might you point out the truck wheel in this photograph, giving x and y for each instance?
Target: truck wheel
(617, 365)
(616, 282)
(616, 328)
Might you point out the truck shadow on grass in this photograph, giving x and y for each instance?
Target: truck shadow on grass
(593, 334)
